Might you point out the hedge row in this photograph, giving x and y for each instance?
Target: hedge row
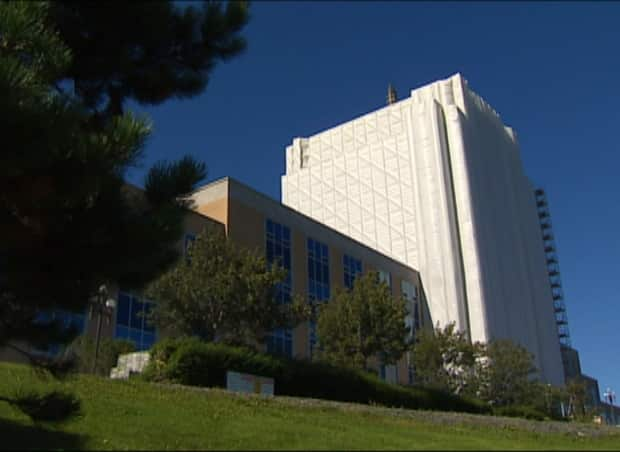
(193, 362)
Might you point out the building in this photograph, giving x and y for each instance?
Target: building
(319, 260)
(436, 182)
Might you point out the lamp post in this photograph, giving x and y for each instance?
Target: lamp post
(610, 397)
(102, 305)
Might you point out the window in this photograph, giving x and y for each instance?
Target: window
(280, 342)
(388, 373)
(385, 277)
(318, 279)
(278, 250)
(132, 323)
(410, 294)
(352, 268)
(318, 270)
(412, 320)
(189, 240)
(68, 320)
(410, 369)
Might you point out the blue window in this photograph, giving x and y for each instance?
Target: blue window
(278, 251)
(412, 320)
(352, 268)
(318, 279)
(189, 240)
(385, 277)
(280, 342)
(132, 323)
(67, 319)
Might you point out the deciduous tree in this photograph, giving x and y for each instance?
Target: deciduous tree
(445, 358)
(361, 323)
(223, 293)
(505, 374)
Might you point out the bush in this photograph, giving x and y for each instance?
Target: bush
(193, 362)
(109, 351)
(524, 411)
(54, 406)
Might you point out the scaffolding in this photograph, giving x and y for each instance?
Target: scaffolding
(553, 267)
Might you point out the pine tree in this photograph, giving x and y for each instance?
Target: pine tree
(68, 221)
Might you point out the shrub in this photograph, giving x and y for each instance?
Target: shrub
(524, 411)
(109, 351)
(54, 406)
(192, 362)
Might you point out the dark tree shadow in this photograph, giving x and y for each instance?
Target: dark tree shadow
(16, 436)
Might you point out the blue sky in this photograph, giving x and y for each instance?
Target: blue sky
(550, 69)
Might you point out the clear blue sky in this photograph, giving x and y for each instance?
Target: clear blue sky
(550, 69)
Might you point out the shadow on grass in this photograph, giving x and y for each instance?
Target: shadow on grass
(16, 436)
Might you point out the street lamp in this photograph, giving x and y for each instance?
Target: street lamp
(610, 397)
(102, 305)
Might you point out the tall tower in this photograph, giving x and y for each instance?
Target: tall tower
(435, 181)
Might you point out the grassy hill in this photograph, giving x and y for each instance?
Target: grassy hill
(138, 415)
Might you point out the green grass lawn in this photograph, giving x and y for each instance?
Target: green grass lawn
(138, 415)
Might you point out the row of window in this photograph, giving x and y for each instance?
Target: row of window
(278, 251)
(132, 311)
(67, 320)
(132, 323)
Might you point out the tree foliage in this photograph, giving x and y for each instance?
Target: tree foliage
(146, 51)
(68, 221)
(361, 323)
(505, 373)
(499, 372)
(222, 293)
(445, 358)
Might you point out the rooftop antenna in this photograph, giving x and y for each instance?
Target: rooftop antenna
(391, 94)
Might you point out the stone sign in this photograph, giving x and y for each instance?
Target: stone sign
(239, 382)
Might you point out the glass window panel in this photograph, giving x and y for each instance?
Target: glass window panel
(286, 234)
(269, 227)
(270, 252)
(79, 323)
(137, 308)
(289, 348)
(121, 332)
(135, 336)
(147, 325)
(43, 317)
(278, 232)
(122, 312)
(148, 339)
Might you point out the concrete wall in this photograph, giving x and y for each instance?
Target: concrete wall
(435, 181)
